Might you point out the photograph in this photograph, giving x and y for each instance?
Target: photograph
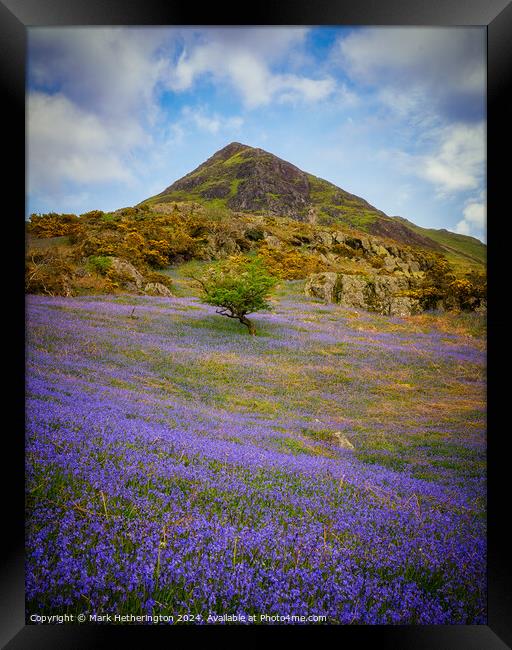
(256, 350)
(256, 306)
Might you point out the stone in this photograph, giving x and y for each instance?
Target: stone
(389, 263)
(366, 245)
(157, 289)
(403, 306)
(322, 285)
(351, 291)
(342, 441)
(378, 249)
(323, 238)
(312, 216)
(125, 273)
(339, 237)
(273, 242)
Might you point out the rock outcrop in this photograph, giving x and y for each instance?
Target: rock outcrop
(323, 286)
(129, 278)
(126, 274)
(385, 294)
(157, 289)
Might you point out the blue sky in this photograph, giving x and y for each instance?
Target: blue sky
(395, 115)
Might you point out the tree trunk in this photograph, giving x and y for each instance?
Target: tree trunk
(250, 326)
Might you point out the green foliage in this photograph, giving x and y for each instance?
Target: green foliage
(92, 215)
(216, 210)
(239, 286)
(435, 286)
(99, 263)
(461, 251)
(53, 272)
(254, 234)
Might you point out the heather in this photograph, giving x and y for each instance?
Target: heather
(177, 465)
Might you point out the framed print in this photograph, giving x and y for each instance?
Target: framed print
(258, 323)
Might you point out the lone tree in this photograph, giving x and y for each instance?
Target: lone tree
(239, 286)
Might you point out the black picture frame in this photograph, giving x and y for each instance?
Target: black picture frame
(15, 17)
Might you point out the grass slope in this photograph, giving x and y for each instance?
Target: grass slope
(460, 250)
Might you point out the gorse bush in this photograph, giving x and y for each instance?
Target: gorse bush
(289, 264)
(52, 224)
(152, 237)
(160, 278)
(441, 288)
(48, 272)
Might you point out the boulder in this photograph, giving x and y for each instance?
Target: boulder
(389, 263)
(384, 294)
(339, 237)
(273, 242)
(366, 245)
(323, 238)
(322, 285)
(342, 441)
(125, 273)
(403, 306)
(157, 289)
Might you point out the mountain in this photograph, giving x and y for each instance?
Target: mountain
(248, 179)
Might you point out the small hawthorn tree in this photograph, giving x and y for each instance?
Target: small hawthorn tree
(238, 287)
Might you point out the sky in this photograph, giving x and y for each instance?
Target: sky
(396, 115)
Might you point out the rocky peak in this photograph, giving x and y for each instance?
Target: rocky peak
(250, 179)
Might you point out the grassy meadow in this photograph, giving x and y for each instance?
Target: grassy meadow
(176, 465)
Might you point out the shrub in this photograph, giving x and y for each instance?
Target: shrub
(160, 278)
(92, 215)
(51, 224)
(239, 286)
(254, 234)
(156, 253)
(99, 263)
(48, 272)
(440, 287)
(88, 284)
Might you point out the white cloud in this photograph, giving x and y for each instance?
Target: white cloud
(109, 71)
(475, 216)
(419, 68)
(211, 123)
(67, 143)
(244, 58)
(475, 213)
(94, 104)
(463, 228)
(458, 163)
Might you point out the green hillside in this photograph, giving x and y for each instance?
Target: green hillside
(460, 250)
